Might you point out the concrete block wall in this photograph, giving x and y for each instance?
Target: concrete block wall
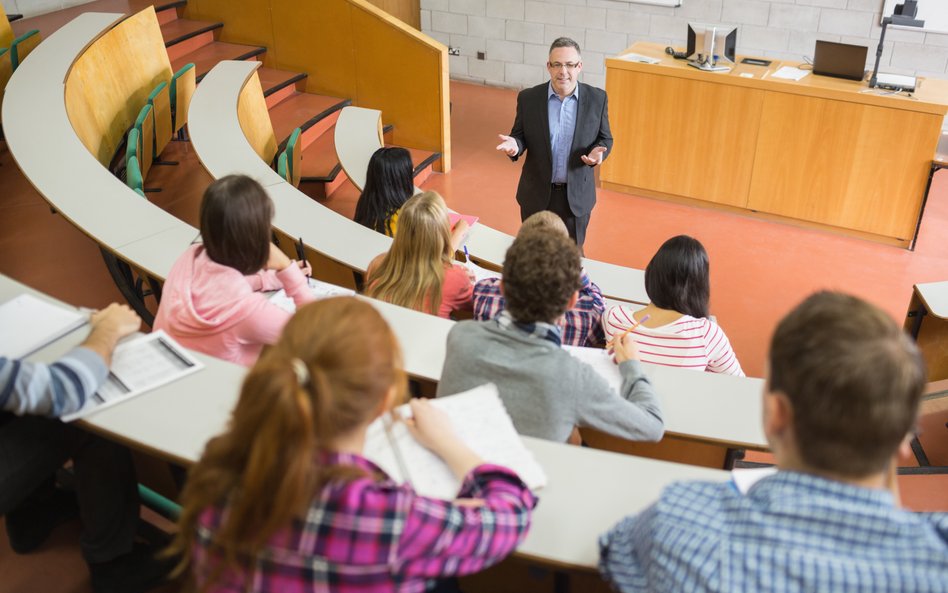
(515, 35)
(30, 8)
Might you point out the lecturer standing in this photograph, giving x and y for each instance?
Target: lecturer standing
(563, 126)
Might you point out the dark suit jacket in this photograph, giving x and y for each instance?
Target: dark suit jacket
(531, 129)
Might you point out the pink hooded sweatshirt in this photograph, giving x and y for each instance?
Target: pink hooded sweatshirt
(214, 309)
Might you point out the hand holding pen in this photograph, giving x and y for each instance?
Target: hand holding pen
(623, 347)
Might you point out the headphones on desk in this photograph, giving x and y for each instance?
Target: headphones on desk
(678, 55)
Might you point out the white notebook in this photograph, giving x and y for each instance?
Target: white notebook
(479, 419)
(138, 366)
(28, 323)
(601, 361)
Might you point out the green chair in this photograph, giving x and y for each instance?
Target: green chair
(133, 176)
(133, 145)
(183, 83)
(145, 124)
(282, 166)
(22, 46)
(294, 150)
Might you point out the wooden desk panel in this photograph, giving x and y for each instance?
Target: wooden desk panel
(819, 152)
(843, 164)
(683, 137)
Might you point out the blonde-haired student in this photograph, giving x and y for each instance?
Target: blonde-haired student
(284, 500)
(419, 271)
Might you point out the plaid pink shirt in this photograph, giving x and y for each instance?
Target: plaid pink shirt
(371, 536)
(581, 325)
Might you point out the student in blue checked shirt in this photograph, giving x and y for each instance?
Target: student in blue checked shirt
(842, 393)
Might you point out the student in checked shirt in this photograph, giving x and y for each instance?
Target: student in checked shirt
(284, 501)
(674, 328)
(843, 387)
(580, 324)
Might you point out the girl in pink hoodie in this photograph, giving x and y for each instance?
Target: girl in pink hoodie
(211, 301)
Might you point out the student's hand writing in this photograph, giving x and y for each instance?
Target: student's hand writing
(625, 348)
(458, 233)
(508, 145)
(306, 268)
(595, 156)
(278, 260)
(118, 320)
(430, 426)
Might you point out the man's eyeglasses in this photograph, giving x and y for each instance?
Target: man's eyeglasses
(569, 65)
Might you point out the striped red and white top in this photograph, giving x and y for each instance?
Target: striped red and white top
(687, 342)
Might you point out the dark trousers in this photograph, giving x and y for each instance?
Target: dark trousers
(559, 205)
(32, 449)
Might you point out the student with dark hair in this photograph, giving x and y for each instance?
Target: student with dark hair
(674, 328)
(388, 183)
(211, 300)
(285, 501)
(842, 394)
(546, 390)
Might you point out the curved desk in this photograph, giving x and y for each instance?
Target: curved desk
(216, 134)
(927, 322)
(175, 422)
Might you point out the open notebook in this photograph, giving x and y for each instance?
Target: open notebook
(320, 290)
(479, 419)
(28, 324)
(601, 361)
(139, 365)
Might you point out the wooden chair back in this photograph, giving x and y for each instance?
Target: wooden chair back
(183, 84)
(6, 71)
(160, 102)
(145, 123)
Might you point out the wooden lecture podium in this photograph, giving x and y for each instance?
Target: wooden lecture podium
(820, 152)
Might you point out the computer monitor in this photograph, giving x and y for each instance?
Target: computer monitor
(709, 43)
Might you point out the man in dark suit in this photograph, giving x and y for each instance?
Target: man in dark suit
(563, 126)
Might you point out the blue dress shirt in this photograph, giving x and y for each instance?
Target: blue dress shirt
(791, 533)
(562, 118)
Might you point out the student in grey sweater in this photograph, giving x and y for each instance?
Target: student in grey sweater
(546, 390)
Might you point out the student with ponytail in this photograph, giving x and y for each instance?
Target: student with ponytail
(419, 271)
(284, 501)
(211, 301)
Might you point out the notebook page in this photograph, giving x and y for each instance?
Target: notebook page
(320, 290)
(28, 323)
(138, 366)
(601, 361)
(744, 478)
(480, 420)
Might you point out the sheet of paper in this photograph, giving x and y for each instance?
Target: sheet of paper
(138, 366)
(634, 57)
(480, 420)
(454, 217)
(28, 323)
(320, 289)
(789, 73)
(481, 273)
(601, 361)
(744, 478)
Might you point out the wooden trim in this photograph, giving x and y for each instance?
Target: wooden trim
(255, 119)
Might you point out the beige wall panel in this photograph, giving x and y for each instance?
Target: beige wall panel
(317, 39)
(404, 79)
(682, 137)
(247, 21)
(110, 82)
(255, 119)
(845, 164)
(408, 11)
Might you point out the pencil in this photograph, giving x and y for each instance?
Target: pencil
(399, 460)
(622, 335)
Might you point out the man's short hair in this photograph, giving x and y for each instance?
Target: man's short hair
(853, 379)
(541, 273)
(546, 220)
(564, 42)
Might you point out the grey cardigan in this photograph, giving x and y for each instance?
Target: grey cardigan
(547, 391)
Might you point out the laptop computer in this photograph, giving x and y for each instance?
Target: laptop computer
(840, 60)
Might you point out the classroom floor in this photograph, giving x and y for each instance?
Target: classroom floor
(759, 269)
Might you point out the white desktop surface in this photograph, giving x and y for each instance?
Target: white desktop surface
(45, 146)
(935, 297)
